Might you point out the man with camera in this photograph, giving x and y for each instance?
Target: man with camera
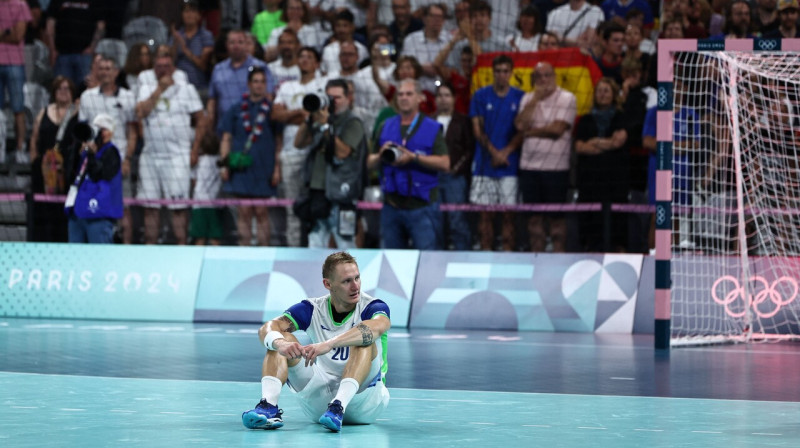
(412, 150)
(335, 165)
(250, 155)
(94, 200)
(288, 109)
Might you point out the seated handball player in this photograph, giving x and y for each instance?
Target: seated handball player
(339, 377)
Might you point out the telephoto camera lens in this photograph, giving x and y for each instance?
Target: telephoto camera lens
(391, 154)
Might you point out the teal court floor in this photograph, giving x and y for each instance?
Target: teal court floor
(91, 383)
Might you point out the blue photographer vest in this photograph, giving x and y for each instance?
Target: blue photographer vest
(410, 179)
(101, 199)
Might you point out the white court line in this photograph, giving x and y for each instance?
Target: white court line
(24, 407)
(437, 399)
(173, 413)
(125, 411)
(538, 426)
(649, 430)
(707, 432)
(71, 409)
(766, 434)
(622, 378)
(226, 415)
(430, 421)
(484, 423)
(592, 427)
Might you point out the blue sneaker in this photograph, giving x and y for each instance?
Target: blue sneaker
(264, 416)
(332, 418)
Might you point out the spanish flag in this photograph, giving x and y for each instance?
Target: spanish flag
(575, 71)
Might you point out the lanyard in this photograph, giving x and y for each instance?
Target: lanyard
(82, 172)
(410, 128)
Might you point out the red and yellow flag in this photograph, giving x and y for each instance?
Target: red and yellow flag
(575, 71)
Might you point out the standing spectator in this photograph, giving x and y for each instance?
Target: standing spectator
(459, 78)
(766, 19)
(193, 45)
(250, 152)
(120, 104)
(206, 225)
(613, 45)
(617, 11)
(545, 120)
(738, 23)
(229, 78)
(168, 109)
(479, 36)
(73, 30)
(94, 202)
(14, 17)
(426, 43)
(138, 60)
(529, 28)
(285, 68)
(788, 14)
(548, 41)
(51, 141)
(366, 97)
(338, 145)
(634, 45)
(407, 68)
(298, 19)
(412, 152)
(288, 109)
(454, 182)
(494, 174)
(267, 20)
(403, 24)
(343, 31)
(574, 23)
(149, 77)
(603, 165)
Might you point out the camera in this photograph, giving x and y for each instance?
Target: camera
(313, 102)
(390, 154)
(387, 49)
(83, 132)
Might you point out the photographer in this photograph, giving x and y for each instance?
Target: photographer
(94, 200)
(250, 155)
(412, 150)
(335, 166)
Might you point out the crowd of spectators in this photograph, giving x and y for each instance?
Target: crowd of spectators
(208, 99)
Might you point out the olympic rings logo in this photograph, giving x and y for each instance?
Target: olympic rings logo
(663, 96)
(661, 215)
(767, 44)
(761, 291)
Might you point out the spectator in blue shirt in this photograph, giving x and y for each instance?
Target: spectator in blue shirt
(617, 10)
(193, 45)
(229, 78)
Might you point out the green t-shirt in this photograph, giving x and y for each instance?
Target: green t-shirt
(264, 23)
(351, 135)
(408, 202)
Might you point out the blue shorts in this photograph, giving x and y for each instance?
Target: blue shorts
(12, 78)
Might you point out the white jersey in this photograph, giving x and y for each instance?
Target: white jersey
(314, 317)
(168, 130)
(121, 106)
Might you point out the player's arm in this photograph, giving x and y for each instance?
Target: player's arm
(273, 331)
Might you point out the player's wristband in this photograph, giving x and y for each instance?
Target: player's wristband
(270, 339)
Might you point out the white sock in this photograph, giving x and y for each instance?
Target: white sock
(271, 389)
(347, 390)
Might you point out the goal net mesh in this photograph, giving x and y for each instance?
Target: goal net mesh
(736, 197)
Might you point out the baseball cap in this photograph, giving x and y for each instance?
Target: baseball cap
(788, 4)
(104, 121)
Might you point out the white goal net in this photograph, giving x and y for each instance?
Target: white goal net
(736, 197)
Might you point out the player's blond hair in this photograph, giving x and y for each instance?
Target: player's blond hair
(334, 260)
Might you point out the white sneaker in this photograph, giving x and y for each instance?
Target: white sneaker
(686, 245)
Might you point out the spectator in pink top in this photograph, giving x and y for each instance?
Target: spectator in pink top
(14, 18)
